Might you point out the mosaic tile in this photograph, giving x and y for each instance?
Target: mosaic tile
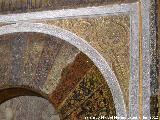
(110, 35)
(85, 90)
(158, 55)
(70, 76)
(114, 46)
(76, 74)
(31, 56)
(154, 60)
(49, 53)
(66, 55)
(5, 62)
(97, 104)
(18, 45)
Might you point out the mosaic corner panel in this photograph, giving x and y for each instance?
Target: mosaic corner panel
(110, 35)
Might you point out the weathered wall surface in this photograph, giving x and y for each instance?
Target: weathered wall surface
(10, 6)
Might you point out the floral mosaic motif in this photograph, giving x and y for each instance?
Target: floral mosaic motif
(88, 85)
(98, 103)
(110, 35)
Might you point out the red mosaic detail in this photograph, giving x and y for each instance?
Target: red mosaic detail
(70, 77)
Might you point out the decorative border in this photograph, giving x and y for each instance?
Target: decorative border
(68, 13)
(134, 62)
(153, 53)
(130, 9)
(153, 46)
(146, 58)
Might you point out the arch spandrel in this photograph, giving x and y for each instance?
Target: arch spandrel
(110, 36)
(82, 46)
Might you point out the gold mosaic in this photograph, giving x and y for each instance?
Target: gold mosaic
(57, 70)
(110, 35)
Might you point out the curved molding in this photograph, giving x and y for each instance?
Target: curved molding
(83, 46)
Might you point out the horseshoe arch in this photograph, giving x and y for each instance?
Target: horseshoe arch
(83, 46)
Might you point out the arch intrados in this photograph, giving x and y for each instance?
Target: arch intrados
(83, 46)
(16, 91)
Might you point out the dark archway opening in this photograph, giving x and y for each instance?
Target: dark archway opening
(9, 93)
(17, 103)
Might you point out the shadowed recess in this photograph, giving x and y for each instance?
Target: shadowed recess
(9, 93)
(28, 108)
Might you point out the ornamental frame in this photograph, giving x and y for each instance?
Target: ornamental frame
(139, 47)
